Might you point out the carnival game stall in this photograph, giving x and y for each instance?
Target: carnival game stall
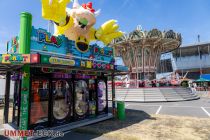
(60, 78)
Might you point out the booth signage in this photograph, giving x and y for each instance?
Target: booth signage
(24, 111)
(103, 51)
(45, 43)
(15, 58)
(61, 61)
(62, 75)
(88, 64)
(44, 37)
(81, 76)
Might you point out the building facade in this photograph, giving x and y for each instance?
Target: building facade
(194, 59)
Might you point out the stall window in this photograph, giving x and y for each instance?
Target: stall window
(62, 99)
(39, 101)
(101, 95)
(16, 103)
(82, 97)
(92, 97)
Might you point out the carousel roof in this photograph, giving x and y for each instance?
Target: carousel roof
(169, 40)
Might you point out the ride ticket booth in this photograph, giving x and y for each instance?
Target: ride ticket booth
(56, 81)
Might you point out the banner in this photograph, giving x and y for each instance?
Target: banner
(61, 61)
(15, 58)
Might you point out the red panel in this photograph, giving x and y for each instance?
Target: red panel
(35, 58)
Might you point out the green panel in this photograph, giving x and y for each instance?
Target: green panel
(45, 59)
(25, 97)
(1, 58)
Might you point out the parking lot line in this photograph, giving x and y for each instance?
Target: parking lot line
(127, 105)
(158, 110)
(167, 106)
(144, 105)
(205, 111)
(185, 106)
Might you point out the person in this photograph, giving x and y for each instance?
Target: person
(190, 84)
(153, 83)
(193, 88)
(157, 84)
(143, 84)
(205, 86)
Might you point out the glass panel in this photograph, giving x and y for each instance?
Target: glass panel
(82, 96)
(92, 97)
(16, 103)
(39, 103)
(61, 104)
(101, 95)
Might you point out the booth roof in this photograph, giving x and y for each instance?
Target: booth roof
(14, 67)
(9, 67)
(54, 66)
(12, 62)
(202, 80)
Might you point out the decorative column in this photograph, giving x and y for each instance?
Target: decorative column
(25, 37)
(143, 63)
(113, 96)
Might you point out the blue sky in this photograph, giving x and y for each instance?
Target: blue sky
(189, 17)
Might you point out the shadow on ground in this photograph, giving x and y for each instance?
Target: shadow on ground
(132, 117)
(3, 138)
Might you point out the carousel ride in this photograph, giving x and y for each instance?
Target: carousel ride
(141, 50)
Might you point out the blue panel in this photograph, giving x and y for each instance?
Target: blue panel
(121, 68)
(205, 76)
(44, 43)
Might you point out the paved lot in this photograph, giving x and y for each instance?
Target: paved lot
(208, 109)
(197, 108)
(77, 136)
(145, 108)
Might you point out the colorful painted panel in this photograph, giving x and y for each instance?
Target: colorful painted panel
(13, 46)
(46, 59)
(62, 75)
(19, 58)
(15, 58)
(61, 61)
(44, 43)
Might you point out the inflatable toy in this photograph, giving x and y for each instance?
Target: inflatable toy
(77, 23)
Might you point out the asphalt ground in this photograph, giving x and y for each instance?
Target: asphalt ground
(77, 136)
(195, 108)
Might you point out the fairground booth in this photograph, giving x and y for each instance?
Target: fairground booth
(57, 81)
